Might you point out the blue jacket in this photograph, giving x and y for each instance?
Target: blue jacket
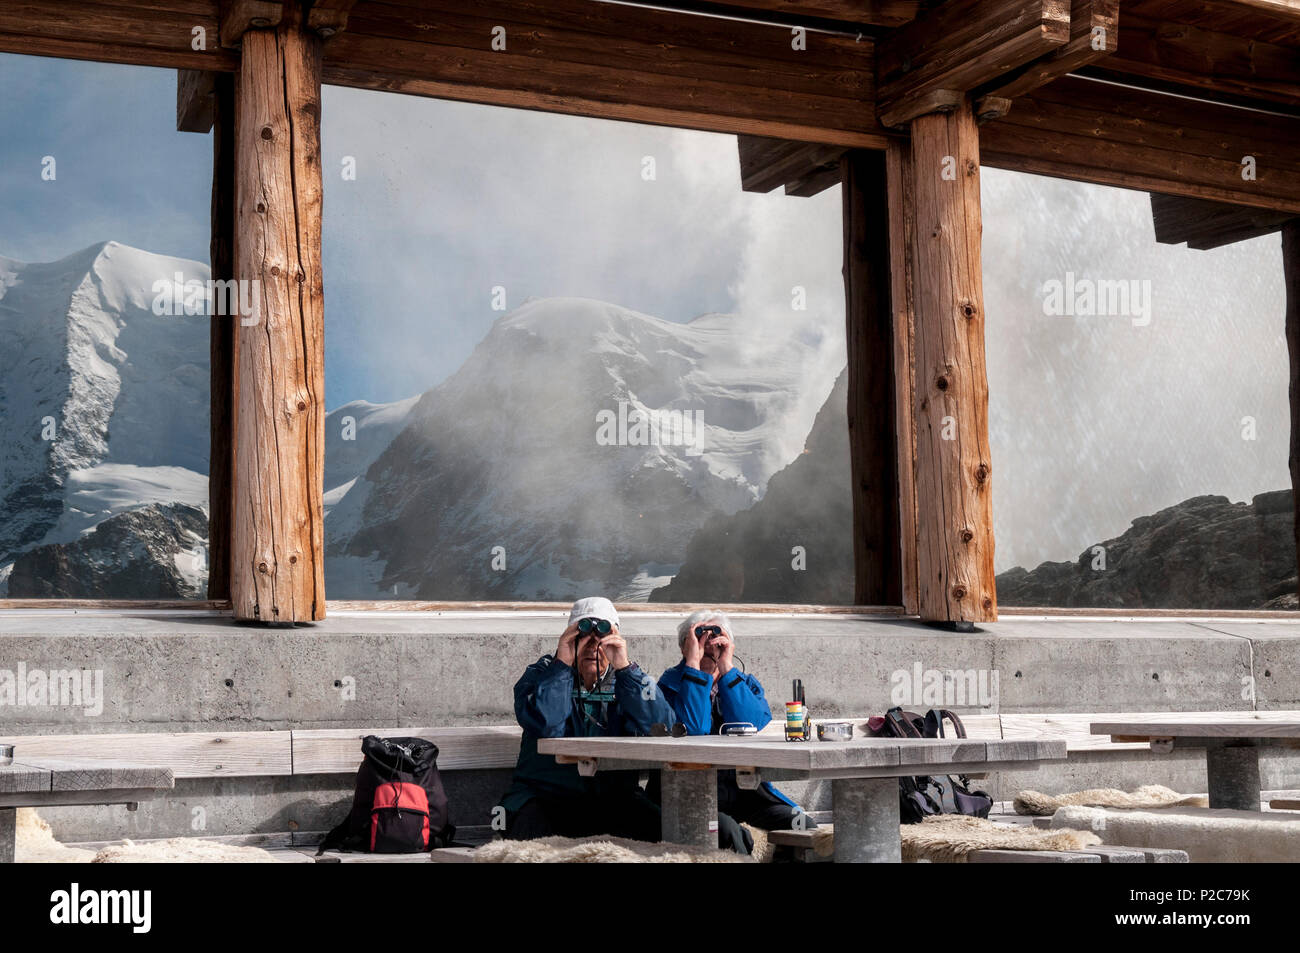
(740, 699)
(548, 705)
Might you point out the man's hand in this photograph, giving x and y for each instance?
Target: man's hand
(723, 649)
(567, 650)
(615, 650)
(693, 650)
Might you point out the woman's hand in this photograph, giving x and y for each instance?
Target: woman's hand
(693, 650)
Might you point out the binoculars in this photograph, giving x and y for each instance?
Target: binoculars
(600, 627)
(706, 632)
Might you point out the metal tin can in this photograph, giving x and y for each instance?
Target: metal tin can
(796, 721)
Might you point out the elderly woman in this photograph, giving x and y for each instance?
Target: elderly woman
(707, 691)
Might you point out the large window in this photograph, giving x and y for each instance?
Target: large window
(1138, 406)
(570, 356)
(104, 375)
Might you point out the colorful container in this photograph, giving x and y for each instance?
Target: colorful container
(796, 721)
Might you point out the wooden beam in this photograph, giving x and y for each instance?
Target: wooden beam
(278, 565)
(953, 462)
(885, 13)
(902, 230)
(1291, 275)
(961, 45)
(1094, 35)
(328, 17)
(139, 32)
(615, 61)
(1204, 225)
(240, 16)
(194, 100)
(870, 340)
(767, 164)
(221, 351)
(1205, 61)
(1131, 138)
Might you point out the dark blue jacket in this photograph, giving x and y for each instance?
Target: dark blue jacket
(740, 699)
(624, 703)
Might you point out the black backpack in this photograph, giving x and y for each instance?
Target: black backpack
(399, 806)
(915, 801)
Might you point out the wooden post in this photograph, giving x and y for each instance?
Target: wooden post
(953, 463)
(221, 252)
(1291, 271)
(278, 566)
(902, 228)
(872, 450)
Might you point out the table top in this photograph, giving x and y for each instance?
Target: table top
(1245, 726)
(875, 756)
(38, 776)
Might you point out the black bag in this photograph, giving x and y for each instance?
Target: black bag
(915, 802)
(399, 806)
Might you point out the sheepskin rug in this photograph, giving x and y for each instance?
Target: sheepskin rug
(1037, 804)
(1213, 836)
(181, 850)
(604, 850)
(951, 838)
(34, 842)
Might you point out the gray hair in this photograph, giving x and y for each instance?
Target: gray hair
(687, 625)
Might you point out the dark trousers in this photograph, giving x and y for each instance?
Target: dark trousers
(757, 808)
(633, 816)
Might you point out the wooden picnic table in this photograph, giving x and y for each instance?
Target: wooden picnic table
(1231, 746)
(40, 782)
(863, 775)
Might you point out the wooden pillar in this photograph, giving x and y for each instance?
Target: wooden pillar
(278, 566)
(870, 339)
(1291, 272)
(221, 251)
(953, 467)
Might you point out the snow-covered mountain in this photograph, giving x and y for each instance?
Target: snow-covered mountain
(104, 406)
(579, 448)
(524, 475)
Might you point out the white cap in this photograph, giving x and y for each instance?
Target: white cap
(593, 607)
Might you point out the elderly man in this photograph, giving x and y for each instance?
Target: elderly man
(707, 691)
(588, 687)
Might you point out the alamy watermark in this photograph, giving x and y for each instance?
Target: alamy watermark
(957, 687)
(209, 298)
(53, 688)
(645, 428)
(1088, 297)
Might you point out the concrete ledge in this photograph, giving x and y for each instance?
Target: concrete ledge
(183, 671)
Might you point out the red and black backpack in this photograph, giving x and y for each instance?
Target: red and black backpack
(399, 806)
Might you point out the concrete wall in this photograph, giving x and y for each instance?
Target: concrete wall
(177, 672)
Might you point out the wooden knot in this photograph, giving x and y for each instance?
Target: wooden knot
(972, 167)
(968, 310)
(959, 592)
(967, 536)
(302, 405)
(275, 270)
(293, 559)
(267, 133)
(261, 206)
(300, 277)
(941, 383)
(987, 603)
(262, 567)
(982, 472)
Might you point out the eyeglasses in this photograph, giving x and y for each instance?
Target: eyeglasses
(599, 626)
